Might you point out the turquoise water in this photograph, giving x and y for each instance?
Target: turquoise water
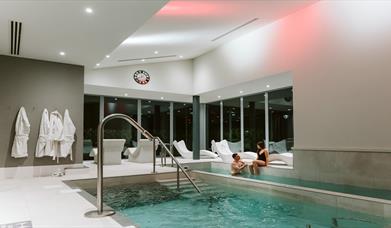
(375, 193)
(160, 205)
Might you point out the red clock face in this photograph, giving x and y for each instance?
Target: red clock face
(141, 77)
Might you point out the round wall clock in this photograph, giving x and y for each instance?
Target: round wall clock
(141, 77)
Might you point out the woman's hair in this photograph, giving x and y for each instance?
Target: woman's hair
(261, 144)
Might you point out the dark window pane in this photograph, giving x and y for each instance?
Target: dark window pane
(183, 120)
(183, 114)
(91, 122)
(254, 121)
(118, 128)
(212, 123)
(156, 118)
(231, 120)
(281, 117)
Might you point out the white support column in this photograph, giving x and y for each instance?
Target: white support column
(241, 125)
(138, 119)
(101, 108)
(221, 121)
(267, 120)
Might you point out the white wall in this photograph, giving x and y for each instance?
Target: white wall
(170, 77)
(339, 54)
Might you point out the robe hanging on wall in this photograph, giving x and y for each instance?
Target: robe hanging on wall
(55, 133)
(43, 138)
(22, 131)
(68, 134)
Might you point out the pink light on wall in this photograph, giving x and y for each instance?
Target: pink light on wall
(295, 39)
(195, 8)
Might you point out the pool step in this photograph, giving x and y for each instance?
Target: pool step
(182, 184)
(186, 188)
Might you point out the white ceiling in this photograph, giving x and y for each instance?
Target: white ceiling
(187, 28)
(53, 26)
(132, 29)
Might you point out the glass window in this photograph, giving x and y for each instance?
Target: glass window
(212, 123)
(231, 120)
(118, 128)
(254, 121)
(281, 119)
(156, 118)
(183, 120)
(91, 122)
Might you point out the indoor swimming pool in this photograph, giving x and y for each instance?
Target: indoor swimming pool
(368, 192)
(161, 205)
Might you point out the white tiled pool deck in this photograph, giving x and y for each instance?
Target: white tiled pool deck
(49, 202)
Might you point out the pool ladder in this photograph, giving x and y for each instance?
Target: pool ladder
(99, 212)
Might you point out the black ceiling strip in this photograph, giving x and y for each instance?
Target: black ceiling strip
(234, 29)
(12, 37)
(15, 36)
(20, 34)
(157, 57)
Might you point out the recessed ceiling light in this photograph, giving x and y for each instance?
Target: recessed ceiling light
(181, 56)
(98, 64)
(156, 52)
(107, 56)
(126, 94)
(267, 86)
(143, 60)
(62, 53)
(162, 98)
(89, 10)
(240, 91)
(219, 96)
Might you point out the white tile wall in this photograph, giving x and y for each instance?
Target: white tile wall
(365, 169)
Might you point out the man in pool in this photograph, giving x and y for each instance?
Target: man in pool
(237, 165)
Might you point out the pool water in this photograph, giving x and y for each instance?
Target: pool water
(161, 205)
(375, 193)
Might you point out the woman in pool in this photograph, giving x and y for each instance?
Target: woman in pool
(262, 158)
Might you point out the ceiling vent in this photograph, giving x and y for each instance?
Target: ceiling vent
(16, 32)
(154, 57)
(234, 29)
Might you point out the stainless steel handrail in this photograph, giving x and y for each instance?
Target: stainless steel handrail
(99, 188)
(179, 166)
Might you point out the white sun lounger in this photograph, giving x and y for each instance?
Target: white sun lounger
(185, 153)
(112, 149)
(142, 153)
(225, 152)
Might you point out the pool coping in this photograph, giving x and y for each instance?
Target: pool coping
(117, 217)
(368, 205)
(115, 180)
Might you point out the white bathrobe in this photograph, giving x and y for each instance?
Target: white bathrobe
(22, 131)
(43, 135)
(68, 134)
(55, 132)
